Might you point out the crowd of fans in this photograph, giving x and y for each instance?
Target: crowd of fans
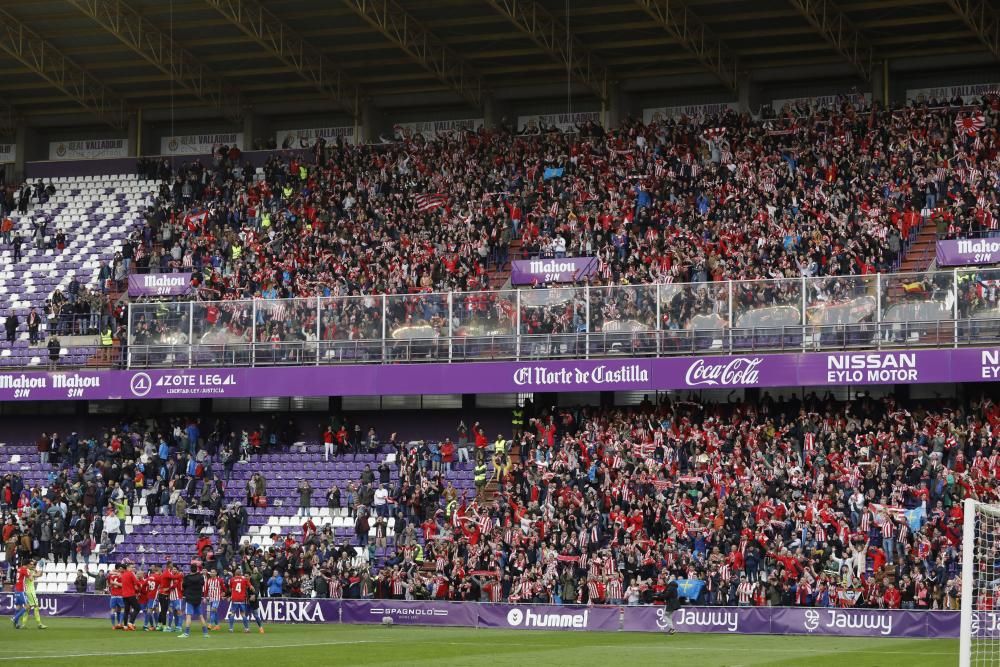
(175, 467)
(808, 502)
(821, 193)
(795, 501)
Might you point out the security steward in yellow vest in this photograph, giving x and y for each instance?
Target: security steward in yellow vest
(517, 421)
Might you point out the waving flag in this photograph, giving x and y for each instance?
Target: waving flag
(690, 588)
(970, 124)
(552, 172)
(192, 220)
(429, 202)
(714, 133)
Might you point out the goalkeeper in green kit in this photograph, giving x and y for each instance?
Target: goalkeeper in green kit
(29, 593)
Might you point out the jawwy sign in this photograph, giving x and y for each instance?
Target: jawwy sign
(968, 252)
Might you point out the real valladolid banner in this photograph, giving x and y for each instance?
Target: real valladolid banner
(724, 620)
(639, 374)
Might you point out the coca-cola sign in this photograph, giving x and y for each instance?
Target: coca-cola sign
(738, 372)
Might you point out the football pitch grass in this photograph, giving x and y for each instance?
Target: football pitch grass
(71, 641)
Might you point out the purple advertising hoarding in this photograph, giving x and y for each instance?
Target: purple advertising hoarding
(640, 374)
(404, 612)
(159, 284)
(801, 621)
(546, 271)
(726, 620)
(722, 620)
(547, 617)
(968, 252)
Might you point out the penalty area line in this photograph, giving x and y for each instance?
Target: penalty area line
(203, 649)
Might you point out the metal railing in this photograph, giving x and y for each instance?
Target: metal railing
(929, 309)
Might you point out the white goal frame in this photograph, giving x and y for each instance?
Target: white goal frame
(971, 510)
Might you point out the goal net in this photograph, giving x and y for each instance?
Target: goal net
(980, 639)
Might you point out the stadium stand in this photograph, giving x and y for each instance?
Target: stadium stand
(802, 501)
(68, 241)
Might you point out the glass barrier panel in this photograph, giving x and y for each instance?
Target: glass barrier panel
(841, 311)
(159, 333)
(914, 306)
(767, 314)
(416, 326)
(484, 325)
(550, 318)
(622, 319)
(350, 329)
(979, 305)
(222, 333)
(693, 316)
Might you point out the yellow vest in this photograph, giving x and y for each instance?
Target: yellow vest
(265, 220)
(287, 192)
(480, 474)
(237, 251)
(303, 173)
(518, 418)
(107, 340)
(500, 445)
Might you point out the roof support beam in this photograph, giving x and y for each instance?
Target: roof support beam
(287, 46)
(162, 52)
(423, 46)
(554, 38)
(834, 26)
(695, 37)
(982, 19)
(76, 83)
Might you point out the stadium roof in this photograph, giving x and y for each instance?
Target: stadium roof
(105, 59)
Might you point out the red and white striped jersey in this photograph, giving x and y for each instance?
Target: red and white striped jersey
(213, 588)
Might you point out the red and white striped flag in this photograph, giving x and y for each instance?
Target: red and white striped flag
(429, 202)
(192, 220)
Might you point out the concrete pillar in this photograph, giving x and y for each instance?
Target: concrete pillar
(22, 136)
(491, 115)
(744, 93)
(615, 107)
(135, 134)
(370, 124)
(251, 129)
(878, 83)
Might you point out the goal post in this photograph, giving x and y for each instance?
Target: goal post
(979, 645)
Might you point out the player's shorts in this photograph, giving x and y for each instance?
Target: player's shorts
(117, 601)
(193, 609)
(238, 608)
(176, 605)
(20, 599)
(153, 604)
(32, 599)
